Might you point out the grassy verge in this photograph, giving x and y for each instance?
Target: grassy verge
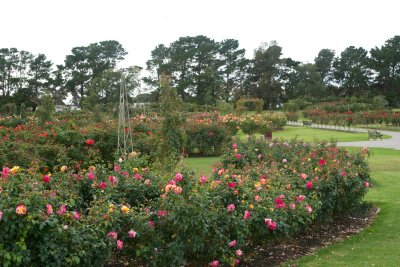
(379, 244)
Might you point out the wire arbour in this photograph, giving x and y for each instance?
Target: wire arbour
(125, 145)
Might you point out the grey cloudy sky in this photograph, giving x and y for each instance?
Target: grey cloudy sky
(301, 27)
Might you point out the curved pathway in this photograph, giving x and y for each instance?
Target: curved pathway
(393, 142)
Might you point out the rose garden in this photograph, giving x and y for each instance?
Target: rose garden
(62, 184)
(227, 162)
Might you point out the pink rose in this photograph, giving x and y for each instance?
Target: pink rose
(300, 198)
(267, 221)
(284, 161)
(366, 184)
(309, 185)
(120, 244)
(214, 263)
(178, 177)
(230, 208)
(232, 244)
(279, 203)
(238, 156)
(308, 208)
(62, 210)
(162, 213)
(239, 253)
(272, 226)
(113, 180)
(137, 176)
(132, 234)
(292, 206)
(246, 215)
(76, 215)
(49, 209)
(1, 215)
(112, 235)
(203, 179)
(91, 176)
(231, 184)
(103, 185)
(303, 176)
(178, 190)
(5, 172)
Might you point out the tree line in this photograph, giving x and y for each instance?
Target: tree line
(203, 71)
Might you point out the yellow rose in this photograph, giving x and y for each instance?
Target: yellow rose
(64, 168)
(135, 170)
(15, 169)
(124, 209)
(251, 206)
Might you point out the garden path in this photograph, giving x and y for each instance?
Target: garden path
(393, 142)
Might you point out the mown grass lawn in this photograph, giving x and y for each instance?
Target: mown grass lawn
(379, 244)
(201, 165)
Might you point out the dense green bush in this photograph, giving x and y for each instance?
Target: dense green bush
(262, 123)
(250, 104)
(206, 139)
(292, 116)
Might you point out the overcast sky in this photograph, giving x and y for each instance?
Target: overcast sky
(301, 27)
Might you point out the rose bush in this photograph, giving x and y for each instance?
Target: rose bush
(261, 191)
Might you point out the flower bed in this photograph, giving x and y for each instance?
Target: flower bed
(262, 191)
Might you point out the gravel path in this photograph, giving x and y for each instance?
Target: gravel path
(393, 142)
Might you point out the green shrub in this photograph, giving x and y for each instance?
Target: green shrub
(251, 104)
(206, 139)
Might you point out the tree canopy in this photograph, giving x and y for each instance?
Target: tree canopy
(203, 71)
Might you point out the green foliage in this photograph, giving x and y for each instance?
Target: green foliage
(262, 123)
(291, 106)
(292, 116)
(206, 139)
(46, 109)
(216, 69)
(380, 103)
(251, 104)
(169, 149)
